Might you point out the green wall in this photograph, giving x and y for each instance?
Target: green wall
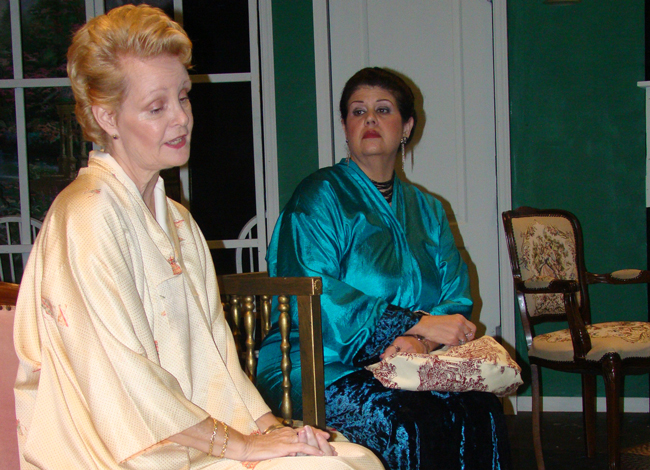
(578, 141)
(295, 93)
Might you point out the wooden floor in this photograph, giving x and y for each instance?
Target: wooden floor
(563, 441)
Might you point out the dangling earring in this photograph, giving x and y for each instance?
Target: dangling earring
(347, 146)
(403, 142)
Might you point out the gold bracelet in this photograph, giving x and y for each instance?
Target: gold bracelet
(273, 427)
(214, 434)
(225, 440)
(421, 339)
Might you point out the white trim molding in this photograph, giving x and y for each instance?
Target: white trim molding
(267, 68)
(574, 404)
(646, 85)
(504, 184)
(323, 83)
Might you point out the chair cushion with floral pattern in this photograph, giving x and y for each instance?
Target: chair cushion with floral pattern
(627, 338)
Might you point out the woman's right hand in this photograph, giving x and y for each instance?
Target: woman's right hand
(282, 442)
(316, 438)
(449, 330)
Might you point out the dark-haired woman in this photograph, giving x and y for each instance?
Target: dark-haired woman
(393, 280)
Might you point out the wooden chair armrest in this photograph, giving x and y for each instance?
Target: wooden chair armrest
(8, 293)
(621, 276)
(579, 336)
(555, 286)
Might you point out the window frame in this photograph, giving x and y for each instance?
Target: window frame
(263, 123)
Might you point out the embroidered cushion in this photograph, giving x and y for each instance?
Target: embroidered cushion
(482, 365)
(546, 249)
(627, 338)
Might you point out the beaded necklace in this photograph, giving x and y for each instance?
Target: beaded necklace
(386, 188)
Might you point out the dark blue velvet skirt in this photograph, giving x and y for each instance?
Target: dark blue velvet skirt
(420, 430)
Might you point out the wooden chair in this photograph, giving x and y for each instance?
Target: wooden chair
(247, 301)
(8, 368)
(246, 258)
(551, 283)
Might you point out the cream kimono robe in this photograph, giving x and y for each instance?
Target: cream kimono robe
(122, 339)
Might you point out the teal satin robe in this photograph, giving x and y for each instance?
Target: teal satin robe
(369, 254)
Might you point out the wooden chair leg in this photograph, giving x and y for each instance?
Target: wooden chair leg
(589, 412)
(612, 372)
(537, 437)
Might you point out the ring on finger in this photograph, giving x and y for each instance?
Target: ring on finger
(397, 348)
(461, 342)
(469, 335)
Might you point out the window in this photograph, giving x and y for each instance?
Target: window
(41, 145)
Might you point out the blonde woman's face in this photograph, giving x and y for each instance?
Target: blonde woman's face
(154, 122)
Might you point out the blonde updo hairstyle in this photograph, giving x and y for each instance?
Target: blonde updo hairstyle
(95, 58)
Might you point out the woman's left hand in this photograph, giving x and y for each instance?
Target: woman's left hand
(405, 344)
(452, 330)
(315, 438)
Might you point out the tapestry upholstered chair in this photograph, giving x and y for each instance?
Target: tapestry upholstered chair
(551, 283)
(8, 369)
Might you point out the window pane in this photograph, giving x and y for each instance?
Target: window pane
(221, 45)
(225, 260)
(6, 62)
(47, 26)
(9, 191)
(54, 146)
(222, 171)
(165, 5)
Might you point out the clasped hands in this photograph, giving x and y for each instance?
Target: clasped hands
(431, 332)
(287, 441)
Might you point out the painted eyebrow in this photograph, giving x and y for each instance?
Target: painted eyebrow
(186, 85)
(387, 100)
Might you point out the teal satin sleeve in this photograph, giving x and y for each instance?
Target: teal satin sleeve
(446, 287)
(311, 241)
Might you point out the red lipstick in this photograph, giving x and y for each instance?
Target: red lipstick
(177, 143)
(371, 135)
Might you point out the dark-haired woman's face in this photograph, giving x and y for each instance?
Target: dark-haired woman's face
(373, 125)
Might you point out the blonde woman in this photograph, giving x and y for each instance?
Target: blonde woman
(126, 360)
